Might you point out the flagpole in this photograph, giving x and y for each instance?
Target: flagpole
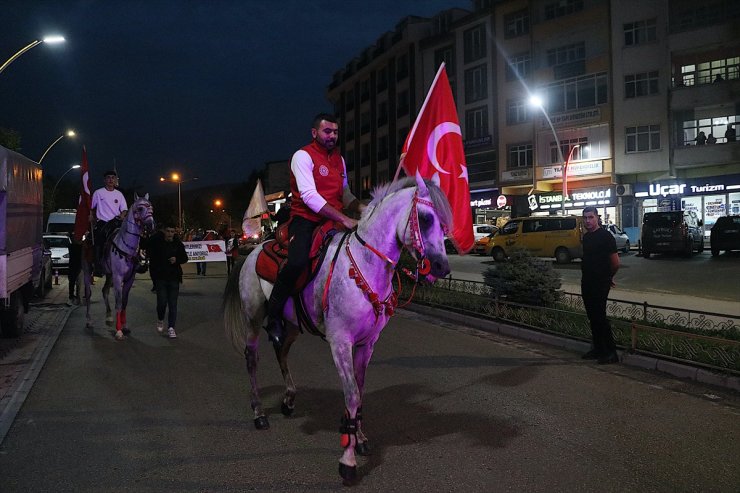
(421, 112)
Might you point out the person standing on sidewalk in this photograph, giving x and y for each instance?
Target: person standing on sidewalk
(600, 264)
(166, 255)
(74, 269)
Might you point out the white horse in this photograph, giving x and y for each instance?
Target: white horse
(120, 260)
(351, 297)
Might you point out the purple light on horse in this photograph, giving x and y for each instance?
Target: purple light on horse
(120, 260)
(356, 305)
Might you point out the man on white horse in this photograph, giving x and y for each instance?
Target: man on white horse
(318, 182)
(107, 211)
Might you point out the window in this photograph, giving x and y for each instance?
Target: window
(577, 93)
(517, 111)
(474, 45)
(402, 108)
(402, 134)
(561, 8)
(402, 67)
(382, 79)
(383, 148)
(709, 72)
(643, 138)
(476, 87)
(382, 113)
(644, 84)
(640, 32)
(349, 134)
(566, 54)
(510, 228)
(516, 24)
(447, 55)
(365, 90)
(350, 98)
(349, 159)
(520, 156)
(476, 123)
(364, 122)
(579, 153)
(715, 126)
(518, 66)
(365, 154)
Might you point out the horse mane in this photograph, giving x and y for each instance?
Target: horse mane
(441, 205)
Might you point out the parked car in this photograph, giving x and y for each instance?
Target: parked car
(542, 236)
(482, 230)
(672, 231)
(59, 246)
(725, 235)
(623, 241)
(479, 246)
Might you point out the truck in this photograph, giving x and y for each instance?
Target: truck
(22, 257)
(61, 222)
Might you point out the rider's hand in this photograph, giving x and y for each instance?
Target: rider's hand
(349, 223)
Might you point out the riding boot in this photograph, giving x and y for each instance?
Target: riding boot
(275, 326)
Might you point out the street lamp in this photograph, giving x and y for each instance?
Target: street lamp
(69, 133)
(536, 101)
(218, 204)
(47, 39)
(175, 178)
(54, 190)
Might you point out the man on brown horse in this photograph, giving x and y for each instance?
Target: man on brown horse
(318, 183)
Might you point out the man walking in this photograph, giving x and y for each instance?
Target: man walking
(166, 255)
(600, 264)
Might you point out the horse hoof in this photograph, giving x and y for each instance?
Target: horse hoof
(261, 423)
(119, 335)
(362, 448)
(286, 410)
(348, 474)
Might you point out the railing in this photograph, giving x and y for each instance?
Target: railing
(706, 339)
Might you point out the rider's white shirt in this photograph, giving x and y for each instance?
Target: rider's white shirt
(108, 203)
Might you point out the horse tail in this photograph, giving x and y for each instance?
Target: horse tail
(234, 319)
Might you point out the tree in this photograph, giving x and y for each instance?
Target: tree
(524, 279)
(10, 139)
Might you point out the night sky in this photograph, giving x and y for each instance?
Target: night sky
(212, 89)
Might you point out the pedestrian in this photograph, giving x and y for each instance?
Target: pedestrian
(166, 256)
(283, 214)
(598, 267)
(320, 192)
(75, 267)
(701, 139)
(200, 267)
(108, 210)
(711, 139)
(730, 135)
(232, 251)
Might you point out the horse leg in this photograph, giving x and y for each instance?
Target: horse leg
(86, 275)
(251, 354)
(106, 293)
(342, 354)
(117, 288)
(361, 360)
(288, 404)
(124, 303)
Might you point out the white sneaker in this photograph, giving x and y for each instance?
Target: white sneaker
(171, 333)
(119, 335)
(160, 327)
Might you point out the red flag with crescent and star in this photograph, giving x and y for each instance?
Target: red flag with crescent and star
(434, 149)
(82, 218)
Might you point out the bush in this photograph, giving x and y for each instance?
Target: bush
(524, 279)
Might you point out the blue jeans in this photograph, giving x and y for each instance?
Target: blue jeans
(167, 292)
(200, 268)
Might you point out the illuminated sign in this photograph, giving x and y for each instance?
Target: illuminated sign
(574, 169)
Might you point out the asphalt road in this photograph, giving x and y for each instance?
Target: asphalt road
(447, 408)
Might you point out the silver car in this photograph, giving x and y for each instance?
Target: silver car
(623, 241)
(59, 246)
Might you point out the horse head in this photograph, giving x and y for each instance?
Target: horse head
(429, 217)
(143, 213)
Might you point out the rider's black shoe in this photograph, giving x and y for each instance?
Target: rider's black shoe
(276, 332)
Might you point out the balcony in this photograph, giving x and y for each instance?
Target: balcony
(703, 95)
(694, 156)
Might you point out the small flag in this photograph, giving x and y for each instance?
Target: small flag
(252, 223)
(214, 248)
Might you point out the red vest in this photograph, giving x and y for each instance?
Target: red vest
(328, 175)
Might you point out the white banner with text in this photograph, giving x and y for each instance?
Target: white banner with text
(205, 251)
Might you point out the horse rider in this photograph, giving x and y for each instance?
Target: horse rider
(318, 183)
(107, 213)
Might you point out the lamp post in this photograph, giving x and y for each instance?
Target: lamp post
(69, 133)
(176, 178)
(218, 207)
(536, 101)
(54, 190)
(47, 39)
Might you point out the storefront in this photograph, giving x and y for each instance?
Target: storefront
(551, 203)
(487, 209)
(709, 197)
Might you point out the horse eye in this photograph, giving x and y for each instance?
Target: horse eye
(425, 220)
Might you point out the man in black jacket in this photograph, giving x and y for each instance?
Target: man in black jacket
(166, 255)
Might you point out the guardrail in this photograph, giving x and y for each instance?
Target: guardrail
(706, 339)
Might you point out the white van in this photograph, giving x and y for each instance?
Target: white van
(61, 221)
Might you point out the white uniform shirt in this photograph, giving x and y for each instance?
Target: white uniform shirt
(302, 167)
(108, 203)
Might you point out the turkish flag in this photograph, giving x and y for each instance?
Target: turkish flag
(434, 149)
(214, 248)
(82, 219)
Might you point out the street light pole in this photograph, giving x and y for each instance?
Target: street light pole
(175, 178)
(48, 39)
(54, 190)
(69, 133)
(537, 101)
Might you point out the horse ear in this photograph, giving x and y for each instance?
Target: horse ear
(423, 192)
(146, 196)
(136, 196)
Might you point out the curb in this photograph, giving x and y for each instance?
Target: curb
(673, 368)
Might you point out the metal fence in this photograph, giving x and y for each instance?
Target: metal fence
(707, 339)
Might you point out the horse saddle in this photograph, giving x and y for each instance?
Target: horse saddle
(274, 253)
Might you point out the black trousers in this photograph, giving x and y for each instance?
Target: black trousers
(594, 300)
(75, 266)
(300, 232)
(167, 293)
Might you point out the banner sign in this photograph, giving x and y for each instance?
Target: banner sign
(205, 251)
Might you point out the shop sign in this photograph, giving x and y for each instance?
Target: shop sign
(481, 202)
(477, 142)
(571, 117)
(688, 187)
(501, 201)
(575, 169)
(599, 196)
(517, 174)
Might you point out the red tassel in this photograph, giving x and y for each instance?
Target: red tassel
(425, 267)
(352, 273)
(344, 440)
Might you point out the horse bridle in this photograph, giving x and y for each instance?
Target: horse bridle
(139, 222)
